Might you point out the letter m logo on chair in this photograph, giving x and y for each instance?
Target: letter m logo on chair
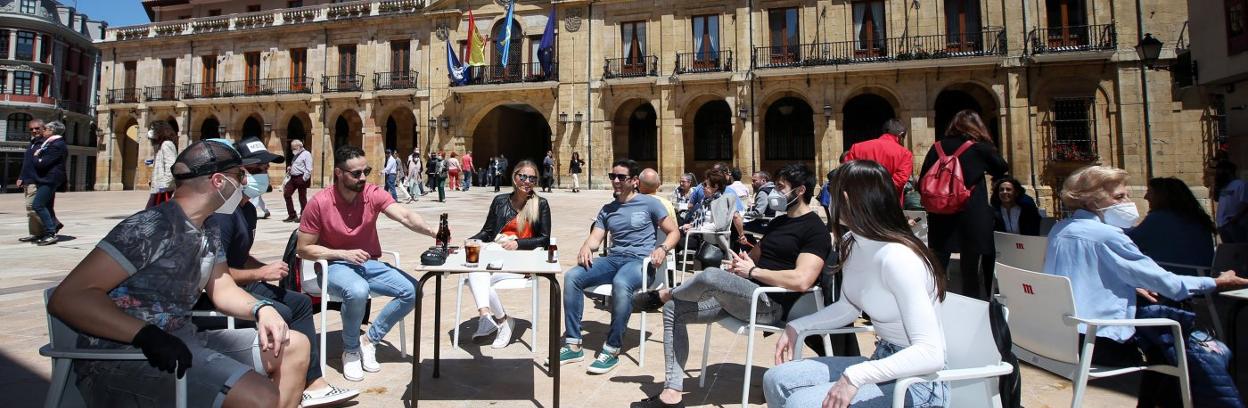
(1018, 245)
(1027, 289)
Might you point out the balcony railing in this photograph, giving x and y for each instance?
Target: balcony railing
(160, 93)
(256, 87)
(343, 83)
(1101, 37)
(267, 18)
(123, 95)
(909, 48)
(696, 62)
(512, 73)
(631, 67)
(395, 80)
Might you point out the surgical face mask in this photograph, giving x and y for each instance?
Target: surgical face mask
(780, 202)
(230, 204)
(151, 134)
(1122, 215)
(257, 184)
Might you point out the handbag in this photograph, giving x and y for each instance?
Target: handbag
(709, 255)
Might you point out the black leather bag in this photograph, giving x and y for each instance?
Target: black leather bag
(709, 255)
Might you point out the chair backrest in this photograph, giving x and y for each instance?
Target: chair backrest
(969, 344)
(1231, 257)
(809, 303)
(309, 280)
(1046, 225)
(60, 335)
(920, 226)
(1021, 251)
(1038, 306)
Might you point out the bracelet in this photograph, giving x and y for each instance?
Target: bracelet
(751, 272)
(260, 304)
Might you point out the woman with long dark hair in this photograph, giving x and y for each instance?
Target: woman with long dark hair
(1014, 211)
(968, 231)
(575, 168)
(1176, 230)
(519, 220)
(888, 274)
(165, 143)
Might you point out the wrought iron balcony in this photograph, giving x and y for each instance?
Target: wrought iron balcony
(343, 83)
(697, 62)
(257, 87)
(160, 93)
(1101, 37)
(512, 73)
(395, 80)
(908, 48)
(631, 67)
(123, 95)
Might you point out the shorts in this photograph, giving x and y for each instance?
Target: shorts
(221, 358)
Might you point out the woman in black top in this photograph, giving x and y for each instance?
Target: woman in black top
(1014, 211)
(575, 169)
(969, 231)
(519, 220)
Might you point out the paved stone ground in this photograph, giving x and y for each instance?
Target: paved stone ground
(471, 377)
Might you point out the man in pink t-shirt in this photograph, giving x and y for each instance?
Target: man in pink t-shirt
(470, 172)
(340, 225)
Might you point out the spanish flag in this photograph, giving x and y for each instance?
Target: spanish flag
(476, 44)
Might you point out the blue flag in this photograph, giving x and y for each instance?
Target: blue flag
(546, 50)
(453, 68)
(504, 43)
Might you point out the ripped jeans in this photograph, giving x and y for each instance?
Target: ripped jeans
(805, 383)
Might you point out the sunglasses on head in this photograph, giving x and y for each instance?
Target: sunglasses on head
(360, 173)
(618, 177)
(526, 178)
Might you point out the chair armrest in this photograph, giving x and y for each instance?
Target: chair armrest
(800, 341)
(398, 263)
(1123, 322)
(92, 354)
(903, 384)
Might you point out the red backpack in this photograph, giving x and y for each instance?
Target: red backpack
(943, 189)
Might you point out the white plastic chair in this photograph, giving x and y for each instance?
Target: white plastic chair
(1021, 251)
(807, 304)
(529, 281)
(312, 283)
(63, 349)
(972, 362)
(920, 225)
(1044, 328)
(660, 273)
(687, 256)
(1204, 271)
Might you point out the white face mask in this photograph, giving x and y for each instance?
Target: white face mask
(1122, 215)
(151, 134)
(231, 204)
(778, 202)
(257, 184)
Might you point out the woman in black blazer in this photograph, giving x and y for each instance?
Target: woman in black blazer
(1013, 210)
(519, 220)
(969, 231)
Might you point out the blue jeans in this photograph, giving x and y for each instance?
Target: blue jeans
(805, 383)
(352, 283)
(390, 186)
(624, 275)
(45, 198)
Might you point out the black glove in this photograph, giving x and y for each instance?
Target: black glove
(163, 350)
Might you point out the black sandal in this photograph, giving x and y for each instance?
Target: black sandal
(655, 402)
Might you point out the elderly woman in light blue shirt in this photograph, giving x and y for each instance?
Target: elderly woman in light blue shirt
(1105, 267)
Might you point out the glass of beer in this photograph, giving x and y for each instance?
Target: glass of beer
(472, 252)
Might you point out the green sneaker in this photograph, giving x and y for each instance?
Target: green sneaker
(604, 363)
(566, 355)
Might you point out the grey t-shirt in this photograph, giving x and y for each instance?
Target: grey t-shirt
(632, 225)
(169, 261)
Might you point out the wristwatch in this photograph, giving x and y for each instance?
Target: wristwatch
(255, 309)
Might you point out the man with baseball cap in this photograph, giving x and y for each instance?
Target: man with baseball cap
(135, 290)
(253, 147)
(237, 236)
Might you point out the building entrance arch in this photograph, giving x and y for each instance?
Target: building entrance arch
(864, 118)
(953, 100)
(128, 144)
(516, 131)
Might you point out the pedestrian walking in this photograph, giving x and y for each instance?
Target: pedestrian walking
(415, 175)
(26, 182)
(391, 173)
(49, 175)
(575, 169)
(548, 172)
(164, 142)
(299, 176)
(469, 172)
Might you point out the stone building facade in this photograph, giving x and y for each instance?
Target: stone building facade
(48, 70)
(675, 85)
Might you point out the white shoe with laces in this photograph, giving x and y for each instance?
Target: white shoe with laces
(504, 333)
(326, 396)
(368, 353)
(351, 367)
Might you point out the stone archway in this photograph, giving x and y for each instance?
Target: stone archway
(788, 134)
(209, 128)
(127, 145)
(712, 136)
(864, 116)
(955, 98)
(400, 130)
(635, 133)
(348, 129)
(516, 131)
(253, 126)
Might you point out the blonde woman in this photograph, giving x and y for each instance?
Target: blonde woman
(519, 220)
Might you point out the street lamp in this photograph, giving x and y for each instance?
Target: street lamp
(1149, 50)
(743, 113)
(827, 111)
(579, 116)
(446, 122)
(433, 124)
(563, 117)
(221, 131)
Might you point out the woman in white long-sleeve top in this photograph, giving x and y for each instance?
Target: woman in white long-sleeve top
(890, 275)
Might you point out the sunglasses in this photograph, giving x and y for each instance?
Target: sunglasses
(526, 178)
(360, 173)
(618, 177)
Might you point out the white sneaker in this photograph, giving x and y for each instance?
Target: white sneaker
(485, 327)
(368, 353)
(326, 396)
(351, 367)
(504, 333)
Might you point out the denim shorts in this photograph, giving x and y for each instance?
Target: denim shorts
(220, 359)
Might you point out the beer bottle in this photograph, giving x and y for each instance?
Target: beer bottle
(552, 251)
(443, 237)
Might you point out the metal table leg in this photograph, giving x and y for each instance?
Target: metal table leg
(420, 290)
(556, 312)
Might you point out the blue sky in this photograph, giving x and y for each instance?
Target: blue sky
(116, 12)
